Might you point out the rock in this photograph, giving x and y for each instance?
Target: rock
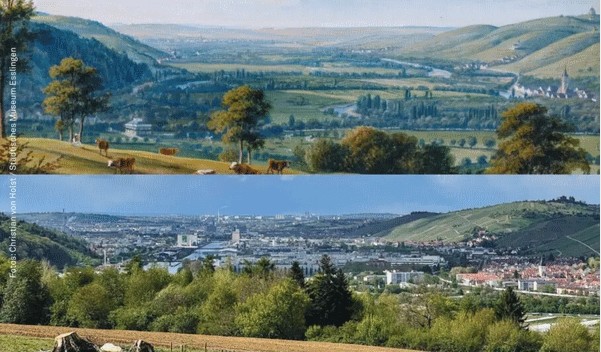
(141, 346)
(71, 342)
(109, 347)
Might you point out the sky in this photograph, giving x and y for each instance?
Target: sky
(288, 195)
(316, 13)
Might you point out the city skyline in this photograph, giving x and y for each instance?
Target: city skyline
(316, 13)
(288, 195)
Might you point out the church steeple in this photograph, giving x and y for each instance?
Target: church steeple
(565, 83)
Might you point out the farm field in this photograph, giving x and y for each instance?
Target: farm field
(36, 337)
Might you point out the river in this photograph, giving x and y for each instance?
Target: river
(432, 71)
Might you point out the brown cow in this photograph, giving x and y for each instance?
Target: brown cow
(168, 151)
(243, 169)
(123, 164)
(103, 145)
(277, 166)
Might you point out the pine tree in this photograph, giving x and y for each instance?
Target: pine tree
(296, 274)
(331, 299)
(510, 307)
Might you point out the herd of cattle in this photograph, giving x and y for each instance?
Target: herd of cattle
(126, 165)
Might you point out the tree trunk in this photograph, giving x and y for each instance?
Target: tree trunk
(81, 120)
(60, 136)
(240, 152)
(249, 155)
(71, 342)
(71, 133)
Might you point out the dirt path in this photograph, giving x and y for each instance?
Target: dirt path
(240, 344)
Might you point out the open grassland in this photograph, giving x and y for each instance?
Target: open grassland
(86, 159)
(342, 68)
(40, 335)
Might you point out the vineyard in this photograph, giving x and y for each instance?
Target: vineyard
(189, 343)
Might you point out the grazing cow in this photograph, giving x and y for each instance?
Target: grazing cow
(277, 166)
(123, 164)
(243, 169)
(206, 172)
(168, 151)
(103, 145)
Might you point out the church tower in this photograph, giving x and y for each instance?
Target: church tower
(565, 84)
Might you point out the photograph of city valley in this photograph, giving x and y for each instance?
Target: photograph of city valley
(295, 87)
(331, 263)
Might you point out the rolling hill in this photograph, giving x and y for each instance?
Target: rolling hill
(50, 45)
(86, 159)
(35, 242)
(120, 43)
(537, 47)
(535, 226)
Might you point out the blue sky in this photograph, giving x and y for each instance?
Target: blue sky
(307, 13)
(270, 195)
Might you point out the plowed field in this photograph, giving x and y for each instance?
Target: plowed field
(126, 338)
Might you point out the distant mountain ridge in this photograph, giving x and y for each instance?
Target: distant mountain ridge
(120, 43)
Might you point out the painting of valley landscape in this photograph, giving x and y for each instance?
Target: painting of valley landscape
(300, 87)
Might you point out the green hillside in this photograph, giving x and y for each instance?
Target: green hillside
(537, 225)
(574, 52)
(112, 39)
(35, 242)
(526, 47)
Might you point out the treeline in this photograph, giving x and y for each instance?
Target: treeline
(366, 150)
(419, 109)
(263, 302)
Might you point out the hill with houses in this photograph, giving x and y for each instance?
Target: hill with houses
(563, 227)
(540, 48)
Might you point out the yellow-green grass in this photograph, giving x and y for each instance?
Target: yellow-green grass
(473, 154)
(13, 343)
(208, 68)
(86, 159)
(577, 65)
(197, 67)
(286, 103)
(561, 49)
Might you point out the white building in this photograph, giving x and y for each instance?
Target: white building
(397, 277)
(236, 236)
(137, 128)
(187, 241)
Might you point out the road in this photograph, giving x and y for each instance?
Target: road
(584, 244)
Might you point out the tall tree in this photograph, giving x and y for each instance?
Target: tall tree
(26, 298)
(14, 36)
(331, 299)
(72, 93)
(277, 313)
(296, 274)
(532, 142)
(510, 307)
(245, 107)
